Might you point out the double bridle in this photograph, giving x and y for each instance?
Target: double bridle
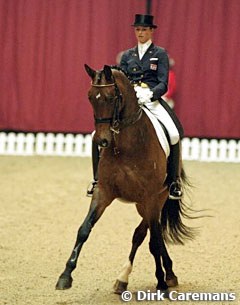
(116, 122)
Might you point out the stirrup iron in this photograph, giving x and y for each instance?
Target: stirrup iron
(175, 191)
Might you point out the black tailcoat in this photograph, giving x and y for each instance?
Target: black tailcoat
(152, 69)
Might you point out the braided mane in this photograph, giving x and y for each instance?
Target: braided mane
(118, 68)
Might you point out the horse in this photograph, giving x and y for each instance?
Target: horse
(132, 168)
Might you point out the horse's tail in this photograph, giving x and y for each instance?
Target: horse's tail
(173, 229)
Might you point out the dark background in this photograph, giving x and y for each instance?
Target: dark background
(45, 43)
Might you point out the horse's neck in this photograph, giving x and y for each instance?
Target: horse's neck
(131, 136)
(132, 133)
(128, 93)
(131, 102)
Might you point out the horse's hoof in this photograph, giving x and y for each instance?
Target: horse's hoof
(64, 282)
(172, 281)
(119, 287)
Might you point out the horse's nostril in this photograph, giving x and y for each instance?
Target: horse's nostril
(104, 143)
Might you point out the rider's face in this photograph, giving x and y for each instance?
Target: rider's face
(143, 34)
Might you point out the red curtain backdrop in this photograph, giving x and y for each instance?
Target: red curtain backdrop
(45, 43)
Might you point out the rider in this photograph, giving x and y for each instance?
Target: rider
(147, 67)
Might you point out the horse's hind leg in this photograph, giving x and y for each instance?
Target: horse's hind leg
(138, 237)
(95, 212)
(171, 278)
(156, 248)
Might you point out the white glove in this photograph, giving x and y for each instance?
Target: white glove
(144, 95)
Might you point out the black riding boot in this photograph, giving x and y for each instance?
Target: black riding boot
(175, 189)
(95, 161)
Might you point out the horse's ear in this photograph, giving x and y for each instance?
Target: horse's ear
(108, 73)
(90, 71)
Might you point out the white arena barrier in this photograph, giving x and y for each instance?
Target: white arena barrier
(211, 150)
(42, 144)
(50, 144)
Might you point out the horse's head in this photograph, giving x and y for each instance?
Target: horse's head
(107, 102)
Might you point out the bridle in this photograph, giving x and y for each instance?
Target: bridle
(116, 122)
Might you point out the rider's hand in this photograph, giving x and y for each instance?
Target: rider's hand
(144, 95)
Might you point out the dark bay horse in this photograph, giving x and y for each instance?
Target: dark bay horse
(132, 167)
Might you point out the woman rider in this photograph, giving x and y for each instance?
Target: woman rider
(147, 67)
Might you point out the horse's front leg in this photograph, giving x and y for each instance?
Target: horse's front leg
(97, 208)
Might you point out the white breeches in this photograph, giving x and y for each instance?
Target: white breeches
(162, 115)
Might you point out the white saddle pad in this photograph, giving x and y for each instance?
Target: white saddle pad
(159, 131)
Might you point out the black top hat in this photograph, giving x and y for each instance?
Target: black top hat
(144, 20)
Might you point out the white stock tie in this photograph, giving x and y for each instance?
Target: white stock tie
(141, 52)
